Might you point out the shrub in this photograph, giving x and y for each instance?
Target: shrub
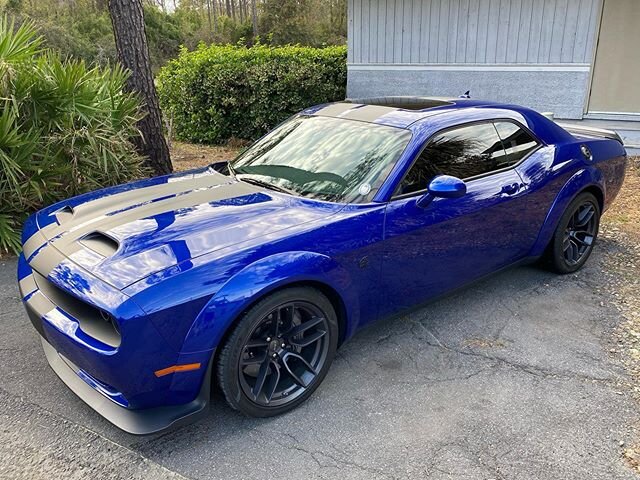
(64, 128)
(218, 92)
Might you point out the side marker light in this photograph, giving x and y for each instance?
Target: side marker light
(177, 368)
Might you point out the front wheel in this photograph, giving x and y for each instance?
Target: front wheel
(279, 352)
(573, 240)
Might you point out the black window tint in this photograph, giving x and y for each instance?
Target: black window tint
(462, 152)
(518, 143)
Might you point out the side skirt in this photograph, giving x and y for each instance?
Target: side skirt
(420, 306)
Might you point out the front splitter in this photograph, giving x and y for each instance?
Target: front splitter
(134, 421)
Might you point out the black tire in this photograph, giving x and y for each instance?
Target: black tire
(283, 376)
(575, 236)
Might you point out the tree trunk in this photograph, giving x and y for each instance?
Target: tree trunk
(209, 17)
(254, 17)
(127, 18)
(215, 18)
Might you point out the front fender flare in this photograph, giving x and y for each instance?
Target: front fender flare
(579, 181)
(258, 279)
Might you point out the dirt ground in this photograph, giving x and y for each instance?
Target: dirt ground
(620, 233)
(186, 156)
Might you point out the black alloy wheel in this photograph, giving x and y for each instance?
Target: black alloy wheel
(279, 352)
(575, 235)
(284, 353)
(580, 233)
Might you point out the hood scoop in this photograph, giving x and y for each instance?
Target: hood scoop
(64, 214)
(100, 243)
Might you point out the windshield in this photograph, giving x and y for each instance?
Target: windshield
(325, 158)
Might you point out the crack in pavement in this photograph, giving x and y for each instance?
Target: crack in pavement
(453, 378)
(526, 368)
(315, 453)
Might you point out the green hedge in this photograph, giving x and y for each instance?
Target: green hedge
(218, 92)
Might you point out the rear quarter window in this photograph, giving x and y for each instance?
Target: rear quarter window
(518, 143)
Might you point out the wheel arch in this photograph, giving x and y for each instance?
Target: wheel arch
(216, 321)
(334, 297)
(585, 180)
(597, 192)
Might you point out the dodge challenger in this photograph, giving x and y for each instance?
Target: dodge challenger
(249, 274)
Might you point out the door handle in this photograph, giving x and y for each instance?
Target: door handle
(511, 189)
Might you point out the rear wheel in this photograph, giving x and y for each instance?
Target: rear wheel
(279, 352)
(573, 240)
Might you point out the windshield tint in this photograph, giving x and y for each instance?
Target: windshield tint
(325, 158)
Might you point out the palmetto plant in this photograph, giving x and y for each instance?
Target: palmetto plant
(65, 128)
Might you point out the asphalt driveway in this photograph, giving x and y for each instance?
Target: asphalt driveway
(511, 378)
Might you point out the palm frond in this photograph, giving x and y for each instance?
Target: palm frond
(65, 128)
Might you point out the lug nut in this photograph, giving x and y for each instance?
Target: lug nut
(283, 345)
(274, 355)
(268, 339)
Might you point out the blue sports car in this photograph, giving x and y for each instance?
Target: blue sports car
(251, 273)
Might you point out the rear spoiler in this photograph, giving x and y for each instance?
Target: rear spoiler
(591, 131)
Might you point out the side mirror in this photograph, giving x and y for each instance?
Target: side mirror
(446, 186)
(443, 186)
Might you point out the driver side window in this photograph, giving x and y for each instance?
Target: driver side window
(463, 152)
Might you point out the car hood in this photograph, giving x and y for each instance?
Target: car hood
(123, 234)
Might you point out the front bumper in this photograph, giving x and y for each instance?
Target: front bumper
(117, 382)
(137, 422)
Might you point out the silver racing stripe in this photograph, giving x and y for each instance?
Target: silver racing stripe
(355, 111)
(128, 198)
(46, 260)
(27, 285)
(121, 201)
(40, 304)
(63, 240)
(194, 198)
(368, 113)
(37, 240)
(336, 109)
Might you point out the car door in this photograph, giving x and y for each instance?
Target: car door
(434, 249)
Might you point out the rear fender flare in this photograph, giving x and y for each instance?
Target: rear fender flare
(257, 280)
(581, 180)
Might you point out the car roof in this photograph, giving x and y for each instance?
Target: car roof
(394, 111)
(438, 112)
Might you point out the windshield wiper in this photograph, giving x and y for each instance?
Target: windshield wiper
(224, 168)
(231, 170)
(268, 185)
